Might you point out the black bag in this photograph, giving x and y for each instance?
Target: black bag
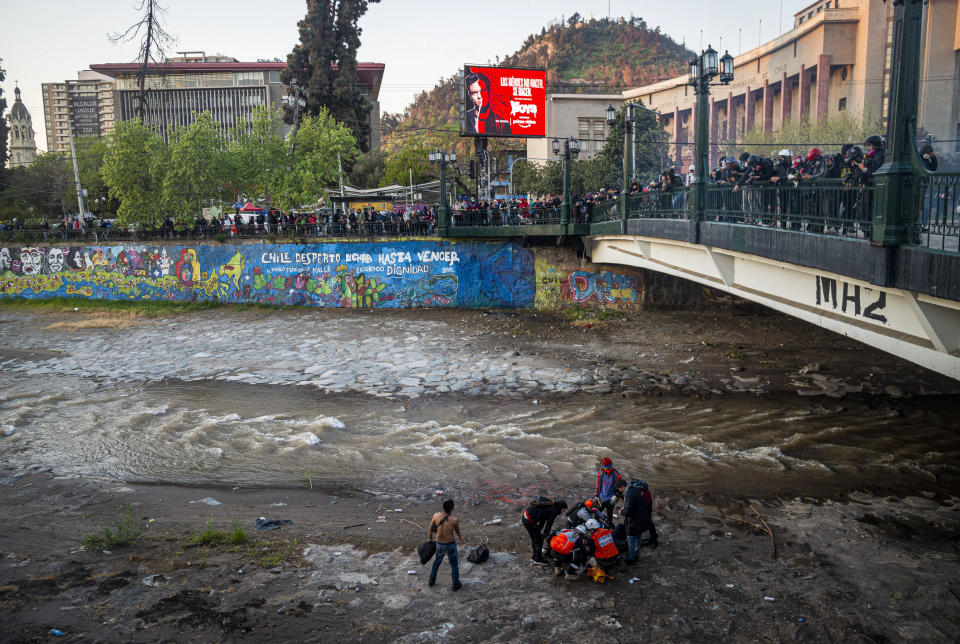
(426, 550)
(479, 555)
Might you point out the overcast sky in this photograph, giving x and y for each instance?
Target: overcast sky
(420, 41)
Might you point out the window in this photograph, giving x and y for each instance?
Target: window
(843, 74)
(758, 65)
(248, 78)
(842, 105)
(274, 77)
(794, 48)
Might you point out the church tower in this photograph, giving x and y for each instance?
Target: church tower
(23, 147)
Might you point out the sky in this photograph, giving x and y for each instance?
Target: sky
(419, 41)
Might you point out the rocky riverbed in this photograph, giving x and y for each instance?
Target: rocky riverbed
(348, 423)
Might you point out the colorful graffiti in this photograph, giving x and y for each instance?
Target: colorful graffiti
(558, 287)
(402, 274)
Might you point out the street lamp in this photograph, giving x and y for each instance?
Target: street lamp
(442, 158)
(629, 147)
(703, 70)
(571, 150)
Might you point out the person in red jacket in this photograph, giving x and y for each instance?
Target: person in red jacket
(609, 482)
(568, 548)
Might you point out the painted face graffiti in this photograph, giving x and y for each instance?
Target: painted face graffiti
(75, 261)
(4, 259)
(54, 260)
(31, 260)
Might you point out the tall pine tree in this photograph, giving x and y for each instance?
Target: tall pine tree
(325, 63)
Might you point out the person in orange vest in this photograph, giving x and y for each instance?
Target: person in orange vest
(568, 548)
(601, 546)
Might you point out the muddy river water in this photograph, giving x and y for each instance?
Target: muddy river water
(180, 401)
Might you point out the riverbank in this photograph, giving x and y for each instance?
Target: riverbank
(861, 568)
(231, 414)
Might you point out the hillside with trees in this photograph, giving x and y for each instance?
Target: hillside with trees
(580, 56)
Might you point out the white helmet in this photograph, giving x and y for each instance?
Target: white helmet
(693, 167)
(593, 524)
(581, 529)
(785, 153)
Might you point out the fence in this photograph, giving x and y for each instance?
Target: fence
(506, 217)
(655, 204)
(938, 211)
(823, 206)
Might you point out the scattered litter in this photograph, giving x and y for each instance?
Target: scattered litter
(209, 501)
(75, 309)
(731, 586)
(8, 430)
(493, 522)
(155, 580)
(769, 599)
(279, 504)
(413, 572)
(236, 488)
(337, 553)
(381, 518)
(264, 523)
(608, 622)
(439, 492)
(799, 619)
(240, 572)
(536, 402)
(54, 631)
(634, 579)
(688, 360)
(398, 510)
(107, 552)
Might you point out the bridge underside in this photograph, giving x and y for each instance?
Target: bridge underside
(915, 326)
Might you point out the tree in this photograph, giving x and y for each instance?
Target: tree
(91, 152)
(409, 160)
(368, 170)
(152, 45)
(325, 63)
(257, 158)
(134, 169)
(194, 172)
(320, 142)
(49, 182)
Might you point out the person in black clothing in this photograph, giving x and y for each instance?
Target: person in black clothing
(637, 510)
(538, 519)
(929, 157)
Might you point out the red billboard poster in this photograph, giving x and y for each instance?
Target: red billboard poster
(504, 101)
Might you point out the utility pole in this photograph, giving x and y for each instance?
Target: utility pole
(295, 101)
(343, 204)
(76, 176)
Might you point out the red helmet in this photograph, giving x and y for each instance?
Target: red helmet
(814, 153)
(607, 462)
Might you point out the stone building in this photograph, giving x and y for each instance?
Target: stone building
(22, 147)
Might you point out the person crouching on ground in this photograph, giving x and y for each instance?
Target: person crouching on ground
(568, 548)
(538, 519)
(445, 525)
(583, 512)
(601, 546)
(608, 481)
(637, 509)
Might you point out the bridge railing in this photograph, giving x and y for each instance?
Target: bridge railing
(605, 211)
(657, 204)
(938, 211)
(822, 206)
(506, 217)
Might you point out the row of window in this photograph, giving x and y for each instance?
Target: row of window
(187, 81)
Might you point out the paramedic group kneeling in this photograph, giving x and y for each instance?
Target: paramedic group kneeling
(593, 531)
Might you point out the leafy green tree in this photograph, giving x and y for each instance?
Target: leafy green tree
(319, 142)
(410, 159)
(91, 152)
(194, 172)
(257, 159)
(325, 63)
(368, 170)
(49, 186)
(134, 169)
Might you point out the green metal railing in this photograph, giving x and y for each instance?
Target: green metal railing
(605, 211)
(822, 206)
(506, 217)
(938, 211)
(657, 204)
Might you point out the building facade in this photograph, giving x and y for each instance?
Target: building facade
(87, 103)
(227, 88)
(582, 116)
(21, 147)
(835, 59)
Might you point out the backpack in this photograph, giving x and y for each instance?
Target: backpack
(479, 554)
(540, 501)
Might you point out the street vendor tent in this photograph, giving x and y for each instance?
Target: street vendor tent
(249, 207)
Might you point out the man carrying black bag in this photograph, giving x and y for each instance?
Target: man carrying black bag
(538, 519)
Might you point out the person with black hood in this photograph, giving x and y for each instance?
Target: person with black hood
(637, 509)
(538, 519)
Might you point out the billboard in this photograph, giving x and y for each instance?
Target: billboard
(85, 115)
(504, 101)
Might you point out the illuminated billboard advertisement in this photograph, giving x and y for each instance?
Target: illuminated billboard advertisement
(504, 101)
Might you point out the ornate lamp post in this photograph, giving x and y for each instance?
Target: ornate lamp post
(703, 69)
(443, 214)
(629, 148)
(571, 150)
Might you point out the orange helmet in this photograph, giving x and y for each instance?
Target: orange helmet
(588, 504)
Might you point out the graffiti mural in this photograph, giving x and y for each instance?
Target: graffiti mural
(558, 287)
(402, 274)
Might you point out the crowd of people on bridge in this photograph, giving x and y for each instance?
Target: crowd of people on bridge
(364, 222)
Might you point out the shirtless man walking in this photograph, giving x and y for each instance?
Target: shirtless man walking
(445, 525)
